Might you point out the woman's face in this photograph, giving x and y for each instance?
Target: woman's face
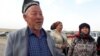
(85, 30)
(59, 27)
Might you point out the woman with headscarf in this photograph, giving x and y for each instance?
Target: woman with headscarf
(84, 44)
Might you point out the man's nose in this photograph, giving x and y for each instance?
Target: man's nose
(39, 16)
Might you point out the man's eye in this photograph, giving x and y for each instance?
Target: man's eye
(33, 13)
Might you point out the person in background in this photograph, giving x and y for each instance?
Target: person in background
(59, 37)
(98, 46)
(84, 44)
(32, 40)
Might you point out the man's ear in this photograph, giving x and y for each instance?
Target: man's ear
(24, 16)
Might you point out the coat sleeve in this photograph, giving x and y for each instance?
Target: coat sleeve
(9, 46)
(71, 48)
(59, 53)
(94, 50)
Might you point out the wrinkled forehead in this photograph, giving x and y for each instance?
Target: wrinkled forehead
(34, 8)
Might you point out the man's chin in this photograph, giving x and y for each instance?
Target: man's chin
(38, 28)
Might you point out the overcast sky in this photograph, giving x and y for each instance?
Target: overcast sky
(70, 12)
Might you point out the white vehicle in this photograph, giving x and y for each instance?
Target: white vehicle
(95, 35)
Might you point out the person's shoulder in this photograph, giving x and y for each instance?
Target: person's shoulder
(76, 40)
(49, 34)
(62, 33)
(17, 32)
(52, 32)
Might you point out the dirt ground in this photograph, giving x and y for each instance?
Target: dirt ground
(2, 45)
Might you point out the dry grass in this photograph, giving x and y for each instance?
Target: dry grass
(2, 45)
(3, 40)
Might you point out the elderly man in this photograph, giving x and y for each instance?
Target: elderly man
(32, 40)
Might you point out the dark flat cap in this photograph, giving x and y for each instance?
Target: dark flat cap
(28, 4)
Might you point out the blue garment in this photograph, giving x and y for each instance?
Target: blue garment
(37, 46)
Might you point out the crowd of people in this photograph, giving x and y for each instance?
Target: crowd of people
(36, 41)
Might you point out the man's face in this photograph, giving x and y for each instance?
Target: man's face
(34, 17)
(85, 30)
